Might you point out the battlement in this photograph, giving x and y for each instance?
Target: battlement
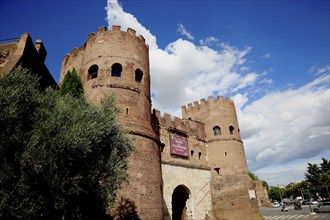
(103, 35)
(204, 104)
(115, 29)
(190, 127)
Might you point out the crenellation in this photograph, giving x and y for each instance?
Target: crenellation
(156, 113)
(91, 36)
(142, 38)
(116, 28)
(203, 102)
(101, 29)
(74, 52)
(196, 104)
(131, 31)
(177, 121)
(203, 106)
(193, 128)
(210, 99)
(167, 117)
(229, 100)
(220, 99)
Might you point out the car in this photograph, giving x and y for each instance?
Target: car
(314, 203)
(323, 206)
(276, 205)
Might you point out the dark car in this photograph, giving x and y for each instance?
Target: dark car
(305, 202)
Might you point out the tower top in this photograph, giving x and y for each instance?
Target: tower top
(103, 31)
(197, 106)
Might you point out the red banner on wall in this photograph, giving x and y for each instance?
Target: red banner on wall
(179, 145)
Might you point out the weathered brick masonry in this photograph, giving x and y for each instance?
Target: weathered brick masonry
(189, 168)
(192, 167)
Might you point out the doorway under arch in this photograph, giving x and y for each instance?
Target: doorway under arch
(179, 203)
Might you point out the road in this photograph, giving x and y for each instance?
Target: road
(292, 214)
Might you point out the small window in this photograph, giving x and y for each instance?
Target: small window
(217, 169)
(231, 129)
(92, 72)
(138, 75)
(162, 146)
(216, 130)
(199, 155)
(116, 70)
(126, 111)
(192, 153)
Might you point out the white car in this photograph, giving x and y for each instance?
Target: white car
(276, 205)
(324, 206)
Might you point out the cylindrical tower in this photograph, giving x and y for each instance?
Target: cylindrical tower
(225, 147)
(232, 190)
(118, 62)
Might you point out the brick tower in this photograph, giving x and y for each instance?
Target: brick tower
(231, 187)
(117, 62)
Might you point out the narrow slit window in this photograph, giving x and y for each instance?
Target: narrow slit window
(199, 155)
(162, 146)
(231, 129)
(192, 153)
(116, 70)
(138, 75)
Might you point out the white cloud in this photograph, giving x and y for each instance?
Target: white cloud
(317, 70)
(282, 131)
(182, 30)
(117, 16)
(209, 41)
(185, 72)
(265, 56)
(287, 125)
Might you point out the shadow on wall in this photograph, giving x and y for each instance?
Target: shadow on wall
(167, 215)
(126, 210)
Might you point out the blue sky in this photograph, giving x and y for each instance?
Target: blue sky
(271, 57)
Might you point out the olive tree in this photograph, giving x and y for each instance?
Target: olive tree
(60, 157)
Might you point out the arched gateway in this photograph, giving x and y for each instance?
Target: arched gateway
(180, 203)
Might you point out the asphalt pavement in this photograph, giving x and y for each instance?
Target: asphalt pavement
(292, 214)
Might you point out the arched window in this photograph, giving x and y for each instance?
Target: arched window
(93, 71)
(116, 70)
(216, 130)
(231, 129)
(138, 75)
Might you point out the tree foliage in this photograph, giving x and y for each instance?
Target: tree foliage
(253, 176)
(72, 84)
(318, 175)
(60, 157)
(276, 193)
(265, 184)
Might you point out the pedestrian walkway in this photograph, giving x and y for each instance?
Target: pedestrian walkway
(296, 217)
